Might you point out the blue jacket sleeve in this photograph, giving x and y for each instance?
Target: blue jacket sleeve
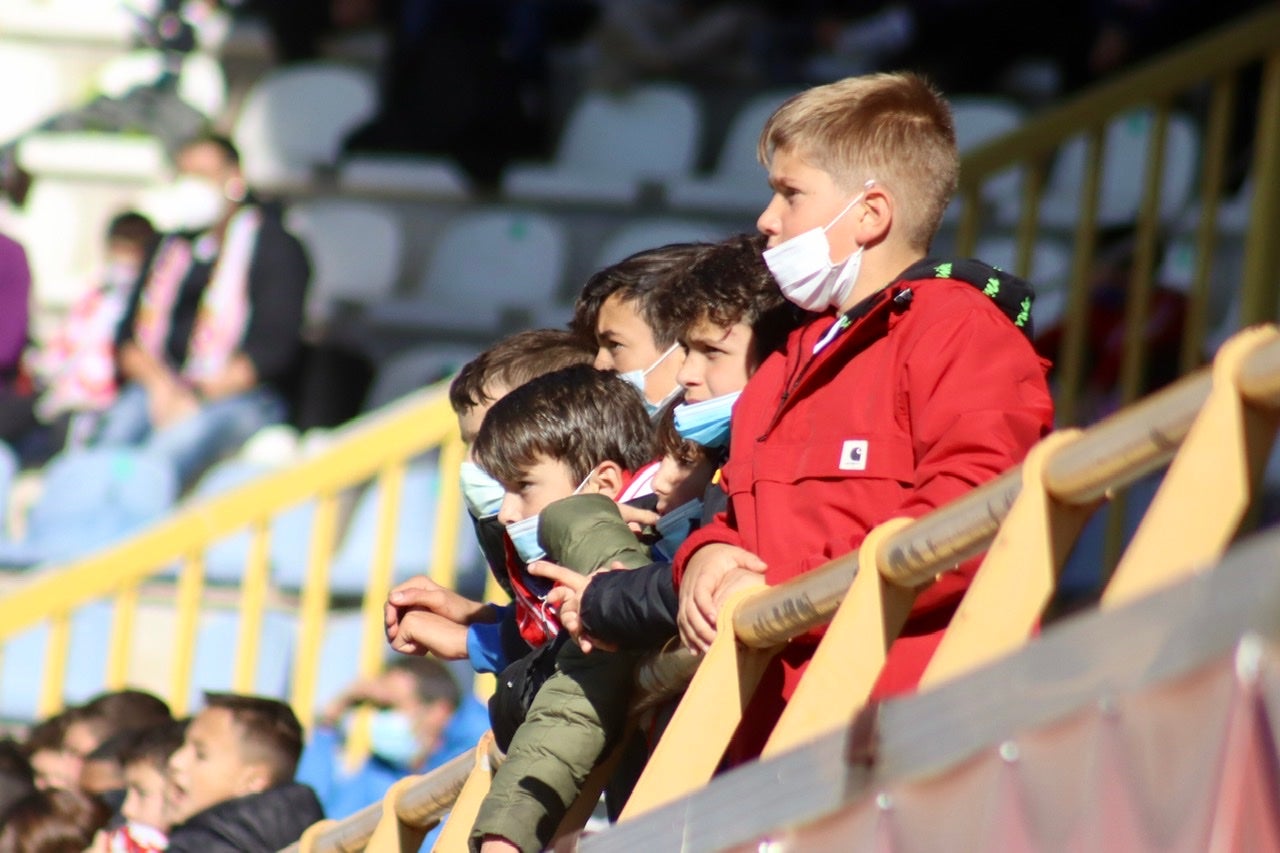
(487, 642)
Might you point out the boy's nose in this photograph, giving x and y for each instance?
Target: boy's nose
(768, 222)
(688, 376)
(603, 360)
(508, 512)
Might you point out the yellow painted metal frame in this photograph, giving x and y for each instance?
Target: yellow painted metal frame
(695, 740)
(849, 658)
(380, 444)
(1209, 486)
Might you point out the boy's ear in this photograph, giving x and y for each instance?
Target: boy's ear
(607, 479)
(254, 778)
(875, 216)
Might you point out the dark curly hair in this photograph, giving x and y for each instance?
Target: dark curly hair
(640, 278)
(730, 284)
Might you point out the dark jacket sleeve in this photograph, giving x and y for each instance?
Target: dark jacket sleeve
(200, 840)
(635, 609)
(278, 278)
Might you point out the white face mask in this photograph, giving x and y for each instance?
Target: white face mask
(636, 378)
(804, 271)
(193, 203)
(119, 275)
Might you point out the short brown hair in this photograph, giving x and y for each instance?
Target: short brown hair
(515, 360)
(432, 680)
(154, 745)
(53, 821)
(270, 731)
(48, 734)
(110, 713)
(637, 278)
(667, 442)
(730, 284)
(894, 128)
(579, 416)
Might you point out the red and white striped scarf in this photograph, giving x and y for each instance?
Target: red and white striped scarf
(223, 314)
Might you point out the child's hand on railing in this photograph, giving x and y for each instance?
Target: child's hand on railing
(713, 572)
(420, 593)
(421, 632)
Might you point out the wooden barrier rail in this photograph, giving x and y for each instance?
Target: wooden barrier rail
(1026, 520)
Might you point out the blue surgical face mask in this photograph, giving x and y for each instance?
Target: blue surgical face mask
(675, 527)
(636, 378)
(706, 423)
(391, 737)
(524, 535)
(482, 493)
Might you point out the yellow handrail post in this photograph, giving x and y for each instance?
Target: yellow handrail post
(457, 826)
(121, 637)
(849, 658)
(1011, 589)
(314, 606)
(1071, 360)
(253, 600)
(55, 664)
(392, 835)
(373, 643)
(448, 513)
(695, 740)
(190, 590)
(1222, 106)
(1261, 250)
(1209, 485)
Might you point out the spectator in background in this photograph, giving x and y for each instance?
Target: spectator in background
(211, 337)
(102, 774)
(53, 764)
(464, 78)
(17, 779)
(54, 821)
(231, 782)
(146, 772)
(696, 41)
(108, 714)
(73, 371)
(420, 720)
(15, 296)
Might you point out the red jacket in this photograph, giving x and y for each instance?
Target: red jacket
(929, 391)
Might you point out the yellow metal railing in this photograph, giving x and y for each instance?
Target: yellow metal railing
(1212, 69)
(375, 449)
(1215, 63)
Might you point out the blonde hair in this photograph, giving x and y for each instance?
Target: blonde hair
(894, 128)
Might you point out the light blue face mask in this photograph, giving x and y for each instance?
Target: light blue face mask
(524, 535)
(675, 527)
(391, 737)
(636, 379)
(482, 493)
(706, 423)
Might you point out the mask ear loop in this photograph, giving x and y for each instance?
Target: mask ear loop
(859, 197)
(661, 359)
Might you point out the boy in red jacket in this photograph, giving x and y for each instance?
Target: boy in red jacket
(913, 382)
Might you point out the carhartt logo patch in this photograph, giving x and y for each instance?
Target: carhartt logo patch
(853, 455)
